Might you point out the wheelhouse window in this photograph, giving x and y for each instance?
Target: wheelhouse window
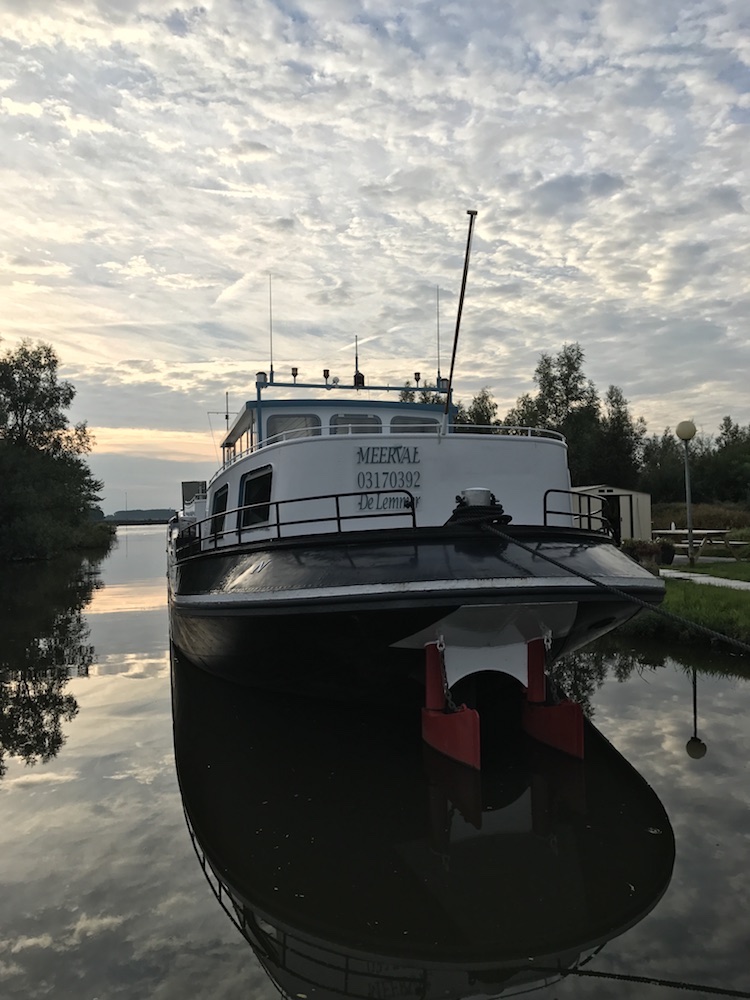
(408, 424)
(355, 423)
(255, 496)
(218, 510)
(293, 425)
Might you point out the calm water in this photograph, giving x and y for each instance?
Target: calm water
(370, 872)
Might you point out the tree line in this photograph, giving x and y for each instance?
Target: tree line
(607, 444)
(49, 496)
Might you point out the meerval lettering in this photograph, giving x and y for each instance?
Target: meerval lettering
(388, 455)
(406, 477)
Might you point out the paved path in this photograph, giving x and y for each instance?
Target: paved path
(714, 581)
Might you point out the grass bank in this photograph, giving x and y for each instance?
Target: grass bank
(719, 608)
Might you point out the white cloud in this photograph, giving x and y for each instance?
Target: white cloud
(160, 161)
(86, 926)
(35, 779)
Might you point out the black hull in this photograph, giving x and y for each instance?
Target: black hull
(336, 655)
(324, 614)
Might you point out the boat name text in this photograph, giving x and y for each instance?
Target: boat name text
(388, 455)
(368, 501)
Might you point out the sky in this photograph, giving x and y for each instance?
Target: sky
(159, 162)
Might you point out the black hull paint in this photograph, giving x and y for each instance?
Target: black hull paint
(321, 614)
(337, 655)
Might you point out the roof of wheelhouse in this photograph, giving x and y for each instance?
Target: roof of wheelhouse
(247, 415)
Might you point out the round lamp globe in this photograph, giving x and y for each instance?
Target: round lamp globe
(685, 430)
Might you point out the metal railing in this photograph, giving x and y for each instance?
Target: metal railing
(211, 529)
(361, 430)
(590, 519)
(505, 430)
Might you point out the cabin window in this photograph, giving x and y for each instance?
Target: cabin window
(408, 424)
(355, 423)
(255, 489)
(293, 425)
(218, 509)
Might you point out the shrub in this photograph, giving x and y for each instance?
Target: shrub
(666, 553)
(644, 552)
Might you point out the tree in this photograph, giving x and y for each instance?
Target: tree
(525, 413)
(48, 490)
(604, 443)
(730, 434)
(719, 468)
(729, 465)
(482, 411)
(662, 472)
(427, 394)
(563, 391)
(621, 441)
(563, 387)
(45, 642)
(33, 401)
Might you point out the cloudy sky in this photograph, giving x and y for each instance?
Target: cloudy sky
(160, 161)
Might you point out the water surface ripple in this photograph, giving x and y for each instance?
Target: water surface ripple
(263, 845)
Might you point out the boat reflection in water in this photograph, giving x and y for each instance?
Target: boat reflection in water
(357, 863)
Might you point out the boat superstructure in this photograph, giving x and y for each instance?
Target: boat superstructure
(345, 532)
(350, 544)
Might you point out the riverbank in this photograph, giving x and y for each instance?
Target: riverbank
(723, 605)
(92, 538)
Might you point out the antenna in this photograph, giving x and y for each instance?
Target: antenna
(472, 216)
(226, 411)
(270, 323)
(437, 325)
(359, 379)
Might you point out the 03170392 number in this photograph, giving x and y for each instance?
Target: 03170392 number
(393, 479)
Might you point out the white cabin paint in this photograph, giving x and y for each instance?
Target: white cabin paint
(380, 470)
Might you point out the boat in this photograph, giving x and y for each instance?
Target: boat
(392, 871)
(353, 546)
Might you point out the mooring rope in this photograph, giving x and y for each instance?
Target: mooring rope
(669, 615)
(645, 980)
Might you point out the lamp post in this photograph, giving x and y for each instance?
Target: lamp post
(685, 431)
(695, 747)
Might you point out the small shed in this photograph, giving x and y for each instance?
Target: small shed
(628, 511)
